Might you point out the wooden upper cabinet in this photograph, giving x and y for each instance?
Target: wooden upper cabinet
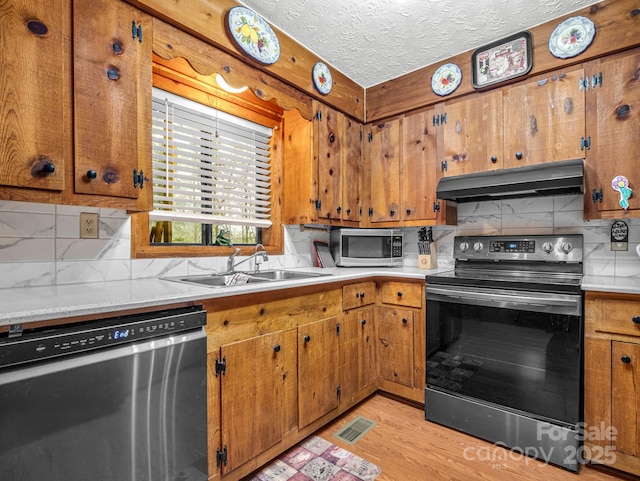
(419, 153)
(544, 119)
(330, 142)
(112, 99)
(352, 171)
(613, 126)
(470, 134)
(32, 92)
(382, 156)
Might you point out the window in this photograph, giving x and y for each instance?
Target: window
(211, 173)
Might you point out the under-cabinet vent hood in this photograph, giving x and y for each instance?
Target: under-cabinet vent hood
(553, 178)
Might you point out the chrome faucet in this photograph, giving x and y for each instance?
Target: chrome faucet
(259, 256)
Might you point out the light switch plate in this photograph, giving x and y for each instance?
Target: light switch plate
(89, 225)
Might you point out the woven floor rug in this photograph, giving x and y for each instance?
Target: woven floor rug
(318, 460)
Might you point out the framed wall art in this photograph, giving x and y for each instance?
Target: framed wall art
(505, 59)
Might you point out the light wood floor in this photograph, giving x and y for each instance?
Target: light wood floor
(408, 448)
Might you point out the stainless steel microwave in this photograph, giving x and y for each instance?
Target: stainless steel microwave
(367, 247)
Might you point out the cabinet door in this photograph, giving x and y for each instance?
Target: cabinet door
(318, 373)
(112, 105)
(470, 134)
(395, 345)
(383, 150)
(252, 395)
(544, 119)
(351, 171)
(32, 91)
(357, 354)
(613, 126)
(419, 143)
(330, 139)
(625, 398)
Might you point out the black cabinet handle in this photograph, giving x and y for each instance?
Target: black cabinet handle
(48, 168)
(494, 159)
(306, 338)
(408, 211)
(518, 155)
(360, 295)
(363, 321)
(626, 359)
(113, 73)
(399, 293)
(636, 319)
(91, 174)
(348, 211)
(276, 348)
(339, 209)
(404, 320)
(392, 212)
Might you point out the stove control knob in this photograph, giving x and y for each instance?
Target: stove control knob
(478, 246)
(547, 247)
(464, 246)
(566, 247)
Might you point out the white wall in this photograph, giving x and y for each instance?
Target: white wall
(40, 244)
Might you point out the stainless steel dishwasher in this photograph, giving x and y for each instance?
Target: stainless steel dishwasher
(119, 399)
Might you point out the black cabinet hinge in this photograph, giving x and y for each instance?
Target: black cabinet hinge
(370, 211)
(585, 143)
(361, 136)
(318, 204)
(439, 119)
(138, 179)
(221, 456)
(436, 206)
(596, 80)
(221, 366)
(443, 119)
(444, 165)
(583, 83)
(370, 136)
(318, 116)
(337, 328)
(436, 120)
(338, 392)
(136, 31)
(597, 195)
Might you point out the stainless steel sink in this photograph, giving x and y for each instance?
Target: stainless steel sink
(283, 275)
(226, 279)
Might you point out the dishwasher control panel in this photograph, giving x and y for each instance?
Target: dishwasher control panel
(52, 342)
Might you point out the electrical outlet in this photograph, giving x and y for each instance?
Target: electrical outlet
(89, 225)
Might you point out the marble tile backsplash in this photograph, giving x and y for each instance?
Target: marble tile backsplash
(40, 243)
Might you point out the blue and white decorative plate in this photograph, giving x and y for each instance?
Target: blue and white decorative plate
(253, 35)
(322, 80)
(571, 37)
(446, 79)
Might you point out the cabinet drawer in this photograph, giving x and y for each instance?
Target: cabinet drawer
(401, 294)
(620, 317)
(357, 295)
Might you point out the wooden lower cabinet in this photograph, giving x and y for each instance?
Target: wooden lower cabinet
(282, 364)
(318, 375)
(611, 378)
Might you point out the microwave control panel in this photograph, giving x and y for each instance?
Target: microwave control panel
(396, 246)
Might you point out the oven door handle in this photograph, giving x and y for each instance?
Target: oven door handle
(526, 301)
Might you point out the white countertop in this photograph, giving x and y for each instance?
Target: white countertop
(622, 285)
(30, 304)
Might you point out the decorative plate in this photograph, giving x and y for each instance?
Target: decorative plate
(253, 35)
(571, 37)
(446, 79)
(322, 79)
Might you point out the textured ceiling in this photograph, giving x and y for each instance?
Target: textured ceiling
(372, 41)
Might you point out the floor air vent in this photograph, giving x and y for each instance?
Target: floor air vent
(353, 431)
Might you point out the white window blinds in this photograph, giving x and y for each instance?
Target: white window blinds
(208, 166)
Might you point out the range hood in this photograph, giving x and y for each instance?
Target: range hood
(553, 178)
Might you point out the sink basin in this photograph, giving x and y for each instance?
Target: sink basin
(283, 275)
(224, 280)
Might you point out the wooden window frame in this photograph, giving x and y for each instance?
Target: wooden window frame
(178, 77)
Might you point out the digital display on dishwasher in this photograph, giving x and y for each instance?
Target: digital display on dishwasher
(527, 246)
(119, 334)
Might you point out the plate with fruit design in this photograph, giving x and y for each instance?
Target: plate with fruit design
(253, 35)
(322, 79)
(446, 79)
(572, 37)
